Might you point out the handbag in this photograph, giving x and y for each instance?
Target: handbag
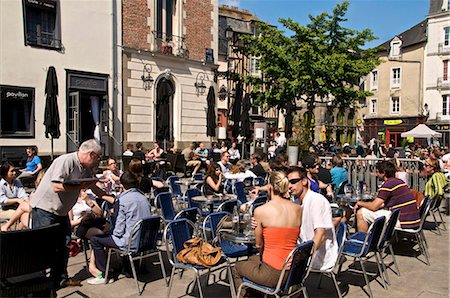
(197, 252)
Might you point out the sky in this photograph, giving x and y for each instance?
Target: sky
(386, 18)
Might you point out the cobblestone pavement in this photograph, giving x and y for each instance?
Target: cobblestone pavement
(416, 279)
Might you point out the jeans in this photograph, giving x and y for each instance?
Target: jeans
(98, 244)
(42, 218)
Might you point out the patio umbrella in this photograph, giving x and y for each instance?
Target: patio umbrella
(421, 131)
(51, 114)
(245, 118)
(211, 113)
(164, 95)
(237, 109)
(288, 119)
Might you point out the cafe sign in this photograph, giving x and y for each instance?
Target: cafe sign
(16, 93)
(393, 122)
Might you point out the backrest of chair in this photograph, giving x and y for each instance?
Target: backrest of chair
(390, 228)
(147, 231)
(176, 189)
(28, 251)
(299, 260)
(341, 234)
(197, 176)
(340, 189)
(190, 193)
(188, 213)
(216, 156)
(228, 206)
(172, 160)
(177, 232)
(157, 191)
(239, 191)
(248, 182)
(213, 220)
(423, 205)
(165, 203)
(255, 205)
(258, 181)
(424, 210)
(374, 234)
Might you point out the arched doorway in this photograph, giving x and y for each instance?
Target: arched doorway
(165, 91)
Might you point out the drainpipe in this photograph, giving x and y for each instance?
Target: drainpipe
(114, 74)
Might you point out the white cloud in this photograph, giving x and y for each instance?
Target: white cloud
(231, 2)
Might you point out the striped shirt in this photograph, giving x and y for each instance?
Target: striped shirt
(435, 185)
(396, 194)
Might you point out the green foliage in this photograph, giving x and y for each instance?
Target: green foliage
(320, 61)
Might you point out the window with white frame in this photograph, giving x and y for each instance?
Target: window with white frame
(395, 48)
(445, 70)
(445, 105)
(373, 106)
(446, 36)
(374, 80)
(395, 105)
(395, 78)
(254, 66)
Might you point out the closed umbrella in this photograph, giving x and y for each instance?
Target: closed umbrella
(164, 95)
(211, 113)
(237, 110)
(245, 117)
(288, 119)
(51, 114)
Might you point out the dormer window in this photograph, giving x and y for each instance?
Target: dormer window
(396, 45)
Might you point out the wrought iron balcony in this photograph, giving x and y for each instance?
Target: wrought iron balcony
(43, 39)
(441, 117)
(443, 84)
(169, 45)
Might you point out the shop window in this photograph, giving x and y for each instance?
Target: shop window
(40, 24)
(17, 111)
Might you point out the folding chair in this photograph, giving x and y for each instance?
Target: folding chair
(360, 244)
(258, 181)
(385, 242)
(340, 237)
(434, 209)
(146, 231)
(228, 206)
(298, 260)
(177, 233)
(239, 191)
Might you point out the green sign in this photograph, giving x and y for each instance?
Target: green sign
(393, 122)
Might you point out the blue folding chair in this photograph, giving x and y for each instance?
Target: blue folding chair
(258, 181)
(228, 206)
(418, 233)
(239, 191)
(146, 230)
(298, 260)
(341, 235)
(360, 244)
(164, 201)
(194, 192)
(385, 243)
(177, 233)
(198, 176)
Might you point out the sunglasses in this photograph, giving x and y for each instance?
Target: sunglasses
(427, 165)
(295, 180)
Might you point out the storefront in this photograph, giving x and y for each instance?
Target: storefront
(444, 129)
(17, 112)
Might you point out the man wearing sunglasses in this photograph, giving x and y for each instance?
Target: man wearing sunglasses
(317, 224)
(311, 163)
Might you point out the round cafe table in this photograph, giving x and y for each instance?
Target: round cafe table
(240, 238)
(211, 199)
(188, 182)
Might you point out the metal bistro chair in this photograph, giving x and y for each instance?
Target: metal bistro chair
(239, 191)
(340, 237)
(360, 244)
(228, 206)
(198, 176)
(298, 259)
(258, 181)
(177, 233)
(164, 201)
(176, 189)
(146, 231)
(434, 209)
(194, 192)
(418, 233)
(385, 242)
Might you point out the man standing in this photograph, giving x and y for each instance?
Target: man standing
(53, 199)
(393, 194)
(317, 222)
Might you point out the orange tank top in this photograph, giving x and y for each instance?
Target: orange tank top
(278, 243)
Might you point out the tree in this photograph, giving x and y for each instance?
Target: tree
(320, 62)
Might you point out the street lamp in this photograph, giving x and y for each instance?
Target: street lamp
(146, 77)
(200, 84)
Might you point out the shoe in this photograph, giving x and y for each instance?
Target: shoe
(96, 281)
(70, 283)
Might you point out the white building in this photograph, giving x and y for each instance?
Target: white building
(436, 68)
(79, 39)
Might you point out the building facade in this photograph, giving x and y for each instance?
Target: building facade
(169, 57)
(436, 69)
(39, 34)
(397, 102)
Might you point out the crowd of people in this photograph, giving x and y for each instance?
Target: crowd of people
(299, 206)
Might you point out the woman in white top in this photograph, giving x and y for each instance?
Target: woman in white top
(244, 171)
(112, 176)
(223, 147)
(234, 153)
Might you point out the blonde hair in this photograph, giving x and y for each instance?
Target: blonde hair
(39, 177)
(279, 182)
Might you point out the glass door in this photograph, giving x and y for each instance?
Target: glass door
(73, 122)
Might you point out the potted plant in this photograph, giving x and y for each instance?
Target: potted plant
(298, 142)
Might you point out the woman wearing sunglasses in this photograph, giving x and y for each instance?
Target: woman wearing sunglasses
(436, 179)
(277, 230)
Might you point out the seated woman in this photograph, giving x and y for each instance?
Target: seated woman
(277, 230)
(33, 165)
(244, 171)
(437, 182)
(213, 179)
(12, 192)
(86, 217)
(112, 176)
(156, 152)
(338, 173)
(145, 184)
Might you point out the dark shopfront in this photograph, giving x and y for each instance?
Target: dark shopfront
(389, 130)
(87, 109)
(444, 129)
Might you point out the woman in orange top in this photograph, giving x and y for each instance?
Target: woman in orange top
(277, 230)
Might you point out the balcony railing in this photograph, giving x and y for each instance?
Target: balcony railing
(443, 49)
(43, 39)
(441, 117)
(169, 45)
(443, 84)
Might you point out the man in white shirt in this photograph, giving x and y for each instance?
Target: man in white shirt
(224, 163)
(317, 224)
